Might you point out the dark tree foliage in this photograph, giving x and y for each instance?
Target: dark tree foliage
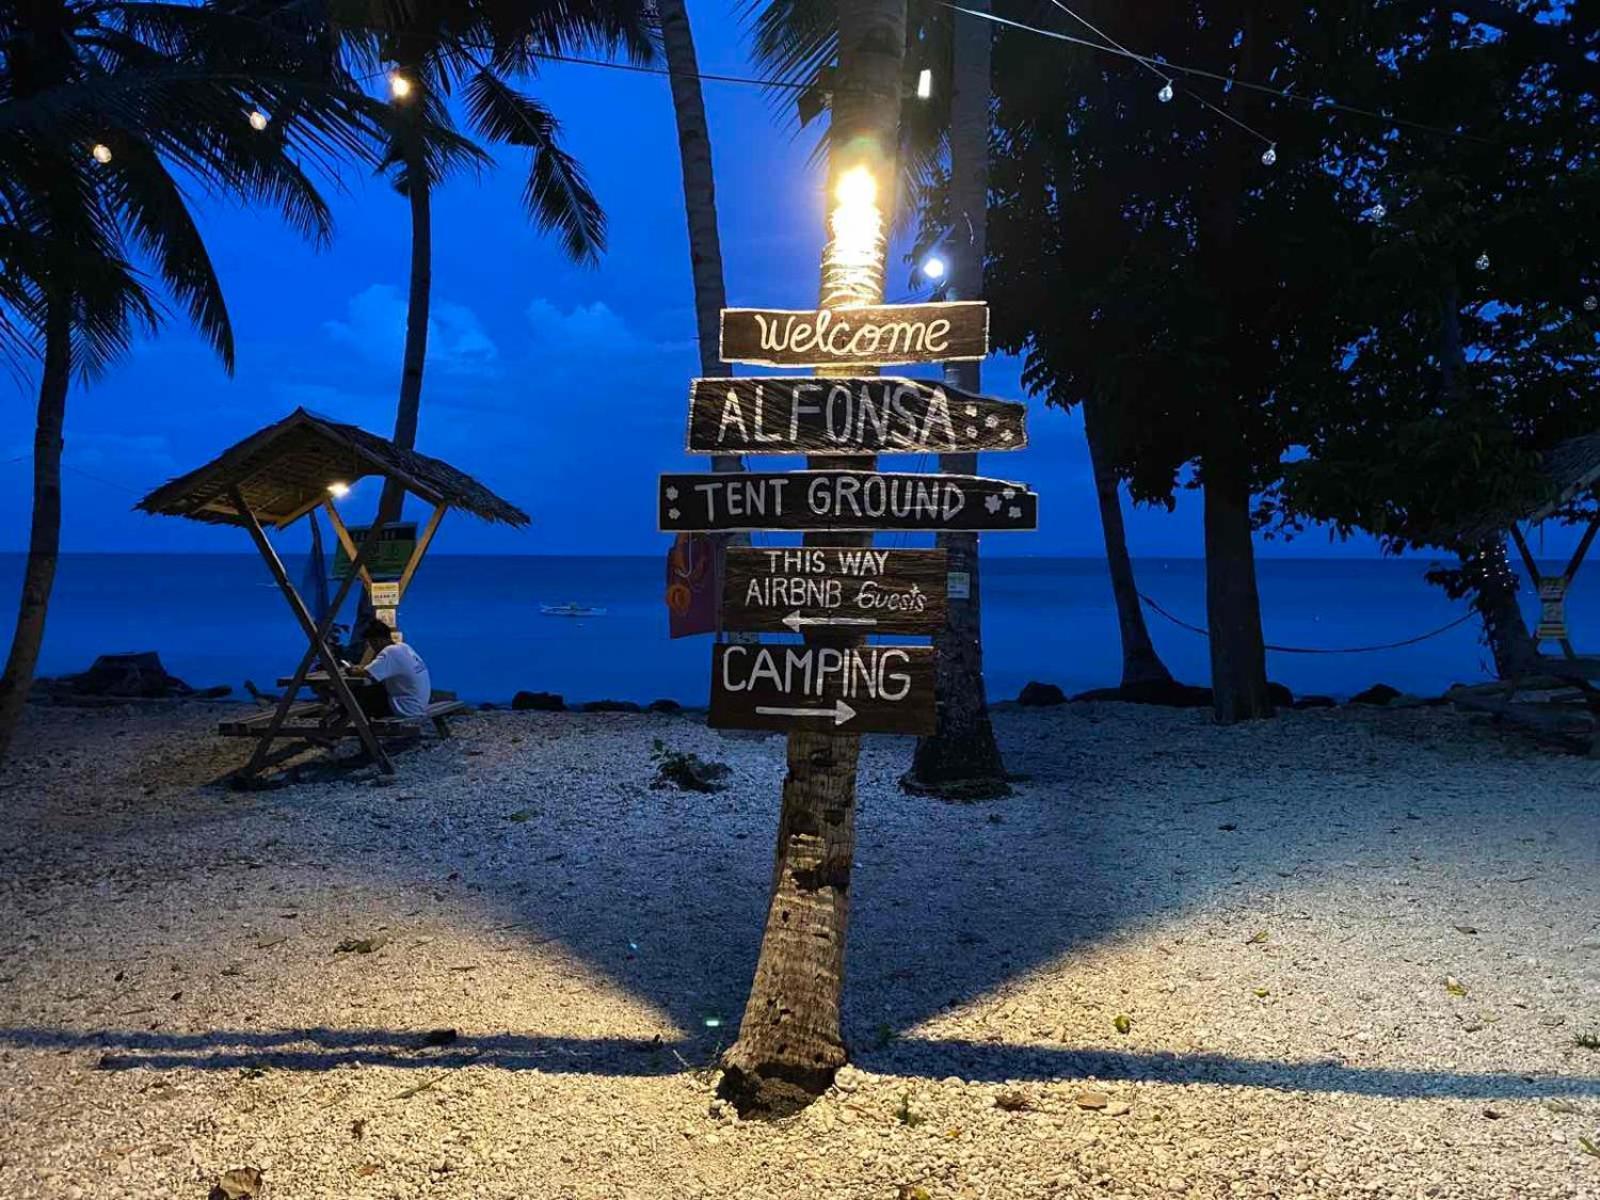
(1143, 255)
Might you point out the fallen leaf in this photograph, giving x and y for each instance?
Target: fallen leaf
(360, 945)
(1454, 986)
(1013, 1102)
(1262, 993)
(1094, 1101)
(1256, 938)
(1469, 929)
(1123, 1022)
(241, 1183)
(1588, 1147)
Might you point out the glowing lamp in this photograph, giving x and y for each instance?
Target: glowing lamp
(339, 490)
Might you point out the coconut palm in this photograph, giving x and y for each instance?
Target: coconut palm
(110, 111)
(437, 49)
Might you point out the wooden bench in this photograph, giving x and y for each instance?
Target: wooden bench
(256, 726)
(438, 710)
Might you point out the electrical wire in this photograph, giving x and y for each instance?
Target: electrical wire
(1411, 641)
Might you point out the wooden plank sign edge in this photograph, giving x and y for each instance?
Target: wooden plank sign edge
(829, 322)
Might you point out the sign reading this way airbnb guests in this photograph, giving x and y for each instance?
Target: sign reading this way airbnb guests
(835, 596)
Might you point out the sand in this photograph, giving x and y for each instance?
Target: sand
(1347, 953)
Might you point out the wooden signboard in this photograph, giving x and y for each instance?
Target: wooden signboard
(855, 689)
(877, 415)
(863, 336)
(812, 501)
(849, 590)
(386, 560)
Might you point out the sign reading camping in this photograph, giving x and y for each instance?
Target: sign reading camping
(854, 689)
(875, 415)
(814, 501)
(877, 335)
(797, 589)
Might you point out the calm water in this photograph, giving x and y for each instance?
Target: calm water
(218, 619)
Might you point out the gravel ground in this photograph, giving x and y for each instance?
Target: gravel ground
(1351, 953)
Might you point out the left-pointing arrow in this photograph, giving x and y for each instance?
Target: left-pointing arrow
(796, 622)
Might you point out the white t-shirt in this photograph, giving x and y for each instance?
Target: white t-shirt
(405, 677)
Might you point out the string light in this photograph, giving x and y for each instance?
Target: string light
(399, 85)
(258, 120)
(1591, 303)
(1483, 261)
(1166, 93)
(339, 490)
(101, 153)
(925, 84)
(1377, 212)
(1270, 155)
(934, 268)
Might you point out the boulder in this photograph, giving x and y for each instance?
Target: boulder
(538, 702)
(137, 676)
(1040, 695)
(1305, 702)
(611, 706)
(1282, 697)
(1378, 694)
(665, 706)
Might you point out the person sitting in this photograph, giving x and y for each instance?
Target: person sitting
(406, 685)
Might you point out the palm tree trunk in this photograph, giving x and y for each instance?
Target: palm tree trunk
(44, 537)
(1233, 605)
(1141, 665)
(417, 308)
(790, 1040)
(962, 760)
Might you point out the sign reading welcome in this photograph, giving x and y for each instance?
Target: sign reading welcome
(865, 336)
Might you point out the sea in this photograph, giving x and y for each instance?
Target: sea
(219, 619)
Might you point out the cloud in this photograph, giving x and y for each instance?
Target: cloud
(375, 327)
(589, 329)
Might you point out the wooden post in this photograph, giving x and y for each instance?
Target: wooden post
(421, 548)
(318, 638)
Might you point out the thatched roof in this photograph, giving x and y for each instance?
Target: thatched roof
(284, 471)
(1568, 471)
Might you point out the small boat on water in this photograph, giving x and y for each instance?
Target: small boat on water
(571, 610)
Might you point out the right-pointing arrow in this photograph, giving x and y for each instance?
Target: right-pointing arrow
(840, 712)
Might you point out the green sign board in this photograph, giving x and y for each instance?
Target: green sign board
(386, 560)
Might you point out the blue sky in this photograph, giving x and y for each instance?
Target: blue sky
(563, 388)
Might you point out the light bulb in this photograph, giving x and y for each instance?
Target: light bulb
(934, 268)
(399, 85)
(856, 188)
(924, 84)
(1483, 261)
(258, 120)
(1166, 93)
(1270, 156)
(1378, 211)
(339, 490)
(101, 152)
(1591, 303)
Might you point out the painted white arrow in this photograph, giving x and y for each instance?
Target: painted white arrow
(796, 622)
(840, 712)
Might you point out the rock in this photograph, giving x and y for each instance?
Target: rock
(1305, 702)
(1378, 694)
(241, 1183)
(1281, 696)
(1407, 700)
(1093, 1101)
(137, 676)
(1041, 695)
(1163, 693)
(1013, 1101)
(665, 706)
(360, 945)
(610, 706)
(1119, 1109)
(538, 702)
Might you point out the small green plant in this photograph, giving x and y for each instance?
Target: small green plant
(905, 1114)
(686, 771)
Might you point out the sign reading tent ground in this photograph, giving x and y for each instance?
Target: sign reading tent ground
(882, 415)
(814, 501)
(857, 689)
(867, 336)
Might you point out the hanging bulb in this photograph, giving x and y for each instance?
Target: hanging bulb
(1270, 156)
(399, 85)
(1166, 93)
(258, 120)
(1483, 261)
(1591, 303)
(1378, 211)
(101, 153)
(934, 268)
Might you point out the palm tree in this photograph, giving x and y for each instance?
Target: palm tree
(107, 109)
(790, 1042)
(437, 48)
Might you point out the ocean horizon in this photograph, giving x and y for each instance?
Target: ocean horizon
(219, 619)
